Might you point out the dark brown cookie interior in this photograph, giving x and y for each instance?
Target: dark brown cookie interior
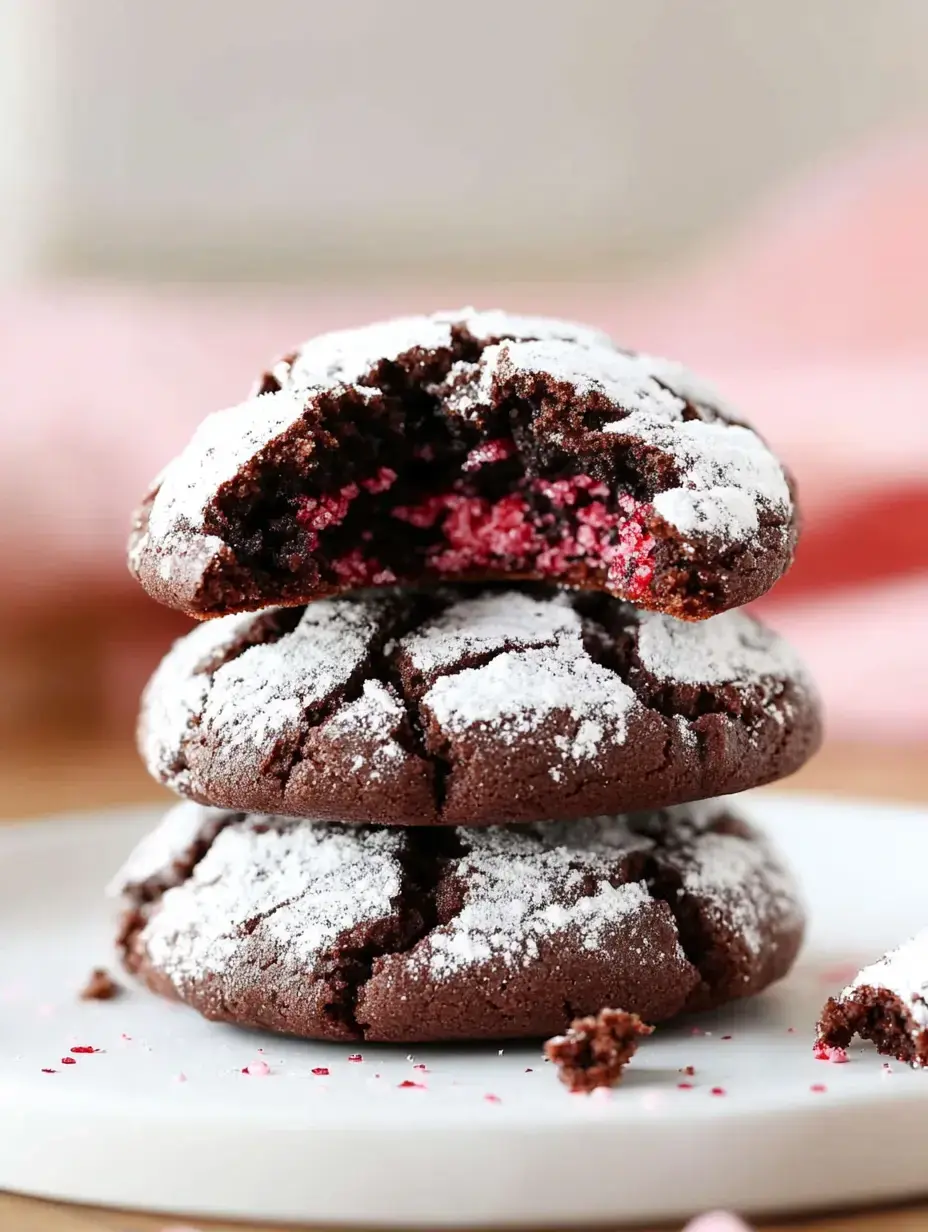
(428, 477)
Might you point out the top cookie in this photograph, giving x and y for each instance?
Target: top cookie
(468, 446)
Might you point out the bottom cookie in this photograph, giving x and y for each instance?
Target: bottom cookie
(408, 935)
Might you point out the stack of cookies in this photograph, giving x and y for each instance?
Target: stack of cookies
(468, 683)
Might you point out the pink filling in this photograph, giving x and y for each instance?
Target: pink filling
(481, 534)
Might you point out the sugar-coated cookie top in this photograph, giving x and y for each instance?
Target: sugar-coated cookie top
(297, 888)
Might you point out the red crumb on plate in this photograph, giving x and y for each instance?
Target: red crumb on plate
(825, 1052)
(257, 1069)
(321, 1070)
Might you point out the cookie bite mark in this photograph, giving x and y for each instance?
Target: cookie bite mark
(468, 447)
(887, 1003)
(595, 1050)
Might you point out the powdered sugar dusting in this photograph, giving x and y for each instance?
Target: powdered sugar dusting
(294, 886)
(222, 443)
(281, 892)
(902, 972)
(488, 623)
(348, 356)
(514, 692)
(168, 843)
(729, 648)
(261, 695)
(739, 885)
(727, 472)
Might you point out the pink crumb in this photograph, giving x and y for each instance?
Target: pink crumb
(321, 1071)
(419, 1065)
(355, 1056)
(818, 1087)
(689, 1070)
(492, 1099)
(684, 1086)
(384, 479)
(180, 1078)
(257, 1069)
(68, 1061)
(408, 1085)
(486, 454)
(85, 1048)
(825, 1052)
(717, 1091)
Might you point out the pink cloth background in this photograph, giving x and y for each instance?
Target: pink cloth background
(813, 318)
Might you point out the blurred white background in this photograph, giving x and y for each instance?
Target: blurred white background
(284, 139)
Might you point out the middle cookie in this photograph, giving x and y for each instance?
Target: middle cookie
(473, 707)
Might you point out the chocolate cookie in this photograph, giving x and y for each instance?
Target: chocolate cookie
(468, 446)
(342, 932)
(473, 707)
(887, 1003)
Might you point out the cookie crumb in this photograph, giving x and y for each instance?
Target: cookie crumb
(689, 1070)
(321, 1071)
(257, 1069)
(826, 1052)
(595, 1050)
(408, 1085)
(100, 986)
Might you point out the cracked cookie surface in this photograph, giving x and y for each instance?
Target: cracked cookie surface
(339, 932)
(473, 706)
(469, 446)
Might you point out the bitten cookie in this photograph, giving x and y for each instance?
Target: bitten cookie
(341, 932)
(468, 446)
(887, 1003)
(474, 708)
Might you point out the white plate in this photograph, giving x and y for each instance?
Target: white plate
(120, 1127)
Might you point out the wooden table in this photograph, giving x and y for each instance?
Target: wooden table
(59, 774)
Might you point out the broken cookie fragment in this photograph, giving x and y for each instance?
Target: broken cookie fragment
(100, 986)
(594, 1051)
(887, 1003)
